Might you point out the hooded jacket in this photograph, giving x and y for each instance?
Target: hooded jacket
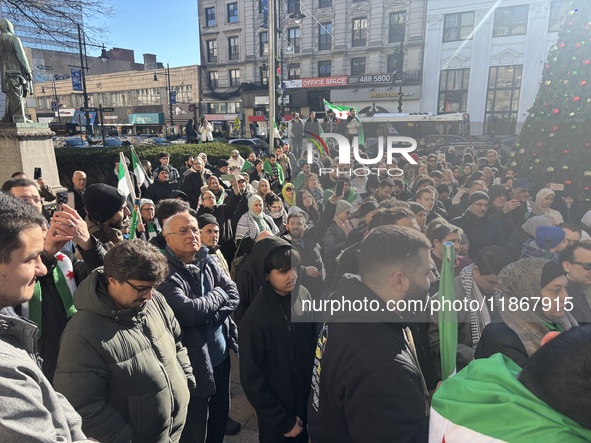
(277, 351)
(124, 371)
(367, 384)
(202, 298)
(30, 409)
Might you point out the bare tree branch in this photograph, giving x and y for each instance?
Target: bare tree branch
(48, 17)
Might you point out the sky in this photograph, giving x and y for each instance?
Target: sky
(166, 28)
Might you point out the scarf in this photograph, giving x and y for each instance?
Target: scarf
(65, 283)
(522, 280)
(478, 319)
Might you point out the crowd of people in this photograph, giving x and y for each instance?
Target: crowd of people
(119, 340)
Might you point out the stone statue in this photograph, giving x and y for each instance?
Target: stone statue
(15, 72)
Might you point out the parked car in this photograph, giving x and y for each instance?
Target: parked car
(72, 142)
(159, 141)
(256, 144)
(110, 142)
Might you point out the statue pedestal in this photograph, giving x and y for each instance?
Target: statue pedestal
(25, 146)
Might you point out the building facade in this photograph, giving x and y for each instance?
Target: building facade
(139, 99)
(486, 58)
(361, 53)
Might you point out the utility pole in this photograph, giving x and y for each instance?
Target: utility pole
(84, 92)
(272, 71)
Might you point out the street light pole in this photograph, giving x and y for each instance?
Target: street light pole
(170, 99)
(57, 100)
(84, 92)
(272, 71)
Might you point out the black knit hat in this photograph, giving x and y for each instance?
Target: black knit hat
(102, 201)
(206, 219)
(478, 195)
(495, 191)
(550, 271)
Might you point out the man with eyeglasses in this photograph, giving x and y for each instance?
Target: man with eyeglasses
(576, 262)
(52, 304)
(478, 227)
(122, 364)
(202, 298)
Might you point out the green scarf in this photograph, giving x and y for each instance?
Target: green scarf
(64, 291)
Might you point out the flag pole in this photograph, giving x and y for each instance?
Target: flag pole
(448, 318)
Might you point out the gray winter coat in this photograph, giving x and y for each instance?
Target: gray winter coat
(30, 410)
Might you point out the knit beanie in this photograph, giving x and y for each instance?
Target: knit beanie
(102, 201)
(146, 201)
(478, 195)
(495, 191)
(416, 207)
(342, 205)
(550, 271)
(548, 237)
(206, 219)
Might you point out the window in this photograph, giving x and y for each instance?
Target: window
(358, 66)
(234, 77)
(294, 71)
(359, 32)
(325, 36)
(396, 63)
(212, 51)
(324, 68)
(396, 29)
(502, 101)
(263, 6)
(291, 4)
(293, 36)
(232, 12)
(453, 90)
(324, 3)
(264, 70)
(510, 21)
(458, 26)
(233, 48)
(213, 79)
(558, 12)
(263, 44)
(210, 16)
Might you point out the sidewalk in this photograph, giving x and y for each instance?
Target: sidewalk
(241, 411)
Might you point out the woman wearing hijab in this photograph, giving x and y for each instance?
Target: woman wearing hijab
(289, 196)
(235, 162)
(254, 221)
(544, 199)
(524, 233)
(533, 302)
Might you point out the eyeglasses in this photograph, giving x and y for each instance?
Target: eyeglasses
(148, 209)
(32, 199)
(141, 291)
(183, 232)
(289, 189)
(208, 198)
(586, 266)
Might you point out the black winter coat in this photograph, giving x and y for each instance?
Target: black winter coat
(481, 232)
(276, 361)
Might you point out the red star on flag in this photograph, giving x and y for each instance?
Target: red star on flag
(59, 257)
(70, 275)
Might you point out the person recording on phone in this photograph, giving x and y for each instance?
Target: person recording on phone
(52, 304)
(47, 193)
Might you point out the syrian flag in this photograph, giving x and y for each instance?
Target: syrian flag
(485, 402)
(448, 318)
(138, 169)
(341, 112)
(124, 182)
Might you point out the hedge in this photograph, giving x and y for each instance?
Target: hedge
(99, 163)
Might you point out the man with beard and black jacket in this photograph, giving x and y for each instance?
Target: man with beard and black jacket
(277, 350)
(306, 240)
(162, 186)
(367, 383)
(478, 227)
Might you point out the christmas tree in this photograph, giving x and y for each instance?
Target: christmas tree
(555, 141)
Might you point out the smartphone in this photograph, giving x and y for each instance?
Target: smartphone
(228, 177)
(556, 186)
(340, 188)
(37, 174)
(65, 198)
